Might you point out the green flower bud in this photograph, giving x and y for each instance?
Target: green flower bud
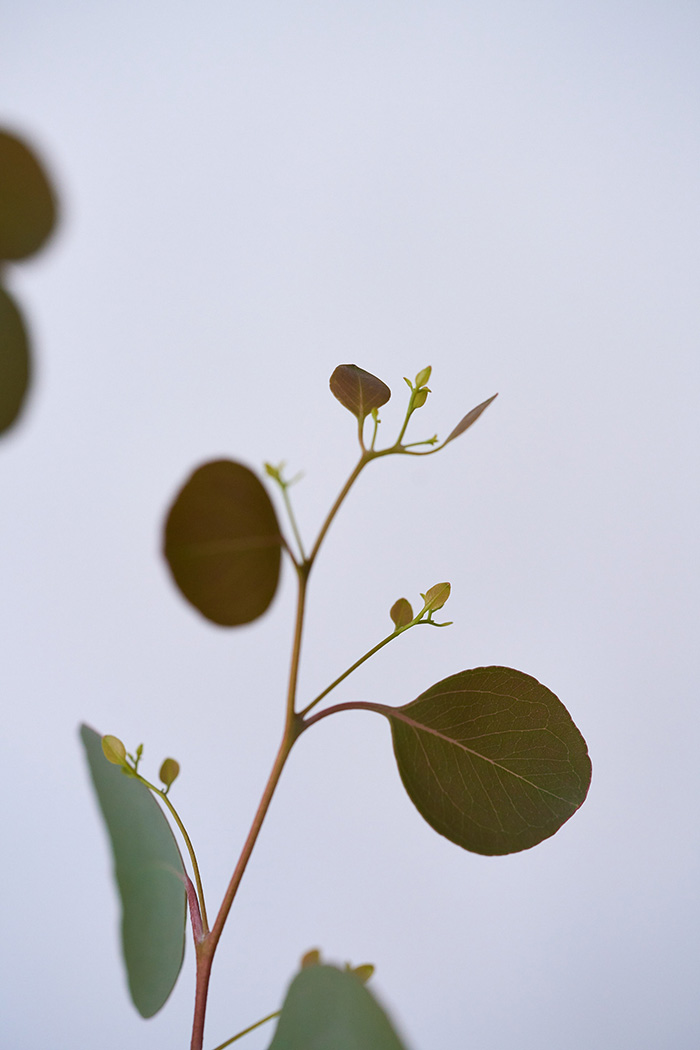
(114, 750)
(364, 971)
(423, 376)
(169, 771)
(311, 958)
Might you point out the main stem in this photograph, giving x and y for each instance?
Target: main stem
(294, 725)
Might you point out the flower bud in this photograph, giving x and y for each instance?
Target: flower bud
(169, 771)
(114, 750)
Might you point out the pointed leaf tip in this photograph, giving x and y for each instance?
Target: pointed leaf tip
(223, 543)
(491, 759)
(471, 417)
(357, 390)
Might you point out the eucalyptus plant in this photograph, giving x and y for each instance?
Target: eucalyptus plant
(490, 757)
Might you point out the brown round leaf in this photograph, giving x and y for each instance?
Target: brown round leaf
(357, 390)
(14, 361)
(27, 205)
(222, 543)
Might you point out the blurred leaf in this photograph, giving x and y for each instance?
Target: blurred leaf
(14, 361)
(149, 873)
(222, 542)
(491, 759)
(471, 417)
(401, 612)
(330, 1009)
(27, 205)
(169, 771)
(364, 971)
(357, 390)
(420, 397)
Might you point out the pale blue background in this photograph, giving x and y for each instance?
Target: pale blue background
(253, 193)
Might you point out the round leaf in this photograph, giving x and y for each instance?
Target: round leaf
(150, 876)
(27, 205)
(401, 612)
(357, 390)
(222, 543)
(14, 361)
(330, 1009)
(492, 759)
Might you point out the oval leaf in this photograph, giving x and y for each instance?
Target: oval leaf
(27, 205)
(357, 390)
(401, 612)
(14, 361)
(492, 759)
(150, 876)
(471, 417)
(222, 543)
(330, 1009)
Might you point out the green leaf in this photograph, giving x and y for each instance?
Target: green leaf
(222, 543)
(436, 596)
(330, 1009)
(14, 361)
(471, 417)
(401, 612)
(27, 205)
(491, 758)
(150, 876)
(357, 390)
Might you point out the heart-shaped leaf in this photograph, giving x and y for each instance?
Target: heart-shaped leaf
(471, 417)
(222, 543)
(27, 205)
(491, 758)
(357, 390)
(150, 876)
(14, 361)
(330, 1009)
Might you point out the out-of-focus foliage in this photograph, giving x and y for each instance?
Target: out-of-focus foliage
(222, 543)
(150, 876)
(27, 217)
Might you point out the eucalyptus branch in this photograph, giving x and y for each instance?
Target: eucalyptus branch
(222, 542)
(358, 663)
(359, 467)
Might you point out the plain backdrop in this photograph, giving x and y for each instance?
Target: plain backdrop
(251, 194)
